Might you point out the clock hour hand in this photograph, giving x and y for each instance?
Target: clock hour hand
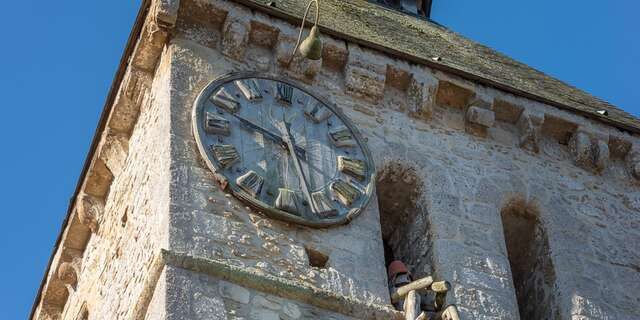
(288, 139)
(300, 152)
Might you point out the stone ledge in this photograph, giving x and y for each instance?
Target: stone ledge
(284, 288)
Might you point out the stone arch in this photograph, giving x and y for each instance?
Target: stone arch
(402, 218)
(532, 269)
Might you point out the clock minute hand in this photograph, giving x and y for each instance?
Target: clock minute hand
(288, 139)
(271, 136)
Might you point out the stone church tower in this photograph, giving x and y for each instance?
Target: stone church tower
(208, 192)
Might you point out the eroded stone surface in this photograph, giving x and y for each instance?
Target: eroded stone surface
(235, 37)
(452, 95)
(481, 116)
(364, 75)
(158, 194)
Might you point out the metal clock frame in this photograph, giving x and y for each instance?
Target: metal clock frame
(268, 210)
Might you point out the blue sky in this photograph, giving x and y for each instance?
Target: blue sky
(58, 58)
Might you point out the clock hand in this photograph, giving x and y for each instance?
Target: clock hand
(302, 154)
(288, 139)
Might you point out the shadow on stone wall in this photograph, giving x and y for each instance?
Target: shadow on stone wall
(531, 266)
(404, 229)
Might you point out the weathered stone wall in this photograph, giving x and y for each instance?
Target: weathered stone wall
(118, 260)
(155, 238)
(473, 148)
(206, 222)
(195, 296)
(529, 258)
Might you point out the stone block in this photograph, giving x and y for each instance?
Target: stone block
(365, 76)
(507, 111)
(452, 95)
(334, 53)
(601, 155)
(291, 311)
(364, 83)
(585, 306)
(235, 38)
(113, 151)
(133, 92)
(444, 204)
(90, 210)
(263, 33)
(78, 235)
(473, 278)
(529, 129)
(483, 117)
(204, 12)
(150, 44)
(165, 12)
(443, 226)
(260, 313)
(265, 303)
(633, 162)
(487, 192)
(67, 274)
(98, 180)
(420, 99)
(588, 153)
(234, 292)
(619, 146)
(487, 304)
(398, 78)
(558, 128)
(580, 146)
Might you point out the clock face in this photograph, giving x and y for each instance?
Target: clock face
(281, 149)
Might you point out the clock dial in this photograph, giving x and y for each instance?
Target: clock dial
(285, 151)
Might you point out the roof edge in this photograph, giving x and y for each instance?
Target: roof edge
(290, 17)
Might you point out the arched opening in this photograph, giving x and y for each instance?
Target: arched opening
(404, 229)
(531, 266)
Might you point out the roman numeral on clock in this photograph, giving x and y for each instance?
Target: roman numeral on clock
(284, 93)
(225, 100)
(324, 205)
(251, 182)
(215, 124)
(225, 154)
(250, 89)
(345, 192)
(353, 167)
(342, 137)
(287, 201)
(316, 111)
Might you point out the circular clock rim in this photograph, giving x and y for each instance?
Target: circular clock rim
(269, 211)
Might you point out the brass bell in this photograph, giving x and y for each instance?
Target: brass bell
(311, 47)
